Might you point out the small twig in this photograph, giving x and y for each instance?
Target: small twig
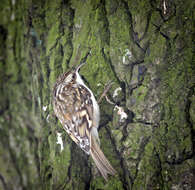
(106, 89)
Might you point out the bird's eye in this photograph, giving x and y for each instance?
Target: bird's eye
(83, 78)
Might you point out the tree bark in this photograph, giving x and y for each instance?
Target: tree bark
(146, 48)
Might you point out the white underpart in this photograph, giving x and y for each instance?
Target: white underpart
(116, 92)
(59, 141)
(121, 112)
(96, 110)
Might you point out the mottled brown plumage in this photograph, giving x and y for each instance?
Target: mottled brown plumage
(78, 111)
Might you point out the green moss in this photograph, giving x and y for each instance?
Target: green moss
(5, 12)
(44, 39)
(52, 37)
(110, 185)
(61, 164)
(118, 135)
(192, 111)
(107, 146)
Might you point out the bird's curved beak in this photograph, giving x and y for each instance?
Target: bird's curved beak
(83, 61)
(79, 66)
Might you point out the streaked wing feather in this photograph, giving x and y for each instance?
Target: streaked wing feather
(76, 114)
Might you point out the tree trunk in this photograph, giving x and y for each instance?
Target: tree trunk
(146, 48)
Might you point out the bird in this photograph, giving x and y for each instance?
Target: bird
(78, 111)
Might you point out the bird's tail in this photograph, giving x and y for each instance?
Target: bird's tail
(100, 160)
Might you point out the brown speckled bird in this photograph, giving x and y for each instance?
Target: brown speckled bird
(78, 111)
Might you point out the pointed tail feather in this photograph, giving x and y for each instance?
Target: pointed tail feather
(101, 161)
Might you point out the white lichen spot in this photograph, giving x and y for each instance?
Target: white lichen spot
(157, 61)
(13, 2)
(12, 16)
(128, 55)
(116, 92)
(59, 141)
(164, 7)
(99, 84)
(44, 108)
(78, 26)
(47, 118)
(121, 113)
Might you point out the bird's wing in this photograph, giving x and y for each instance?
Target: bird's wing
(74, 109)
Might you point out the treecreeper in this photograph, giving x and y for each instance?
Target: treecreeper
(75, 106)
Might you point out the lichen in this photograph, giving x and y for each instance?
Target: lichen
(145, 51)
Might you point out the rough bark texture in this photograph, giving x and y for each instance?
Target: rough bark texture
(146, 48)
